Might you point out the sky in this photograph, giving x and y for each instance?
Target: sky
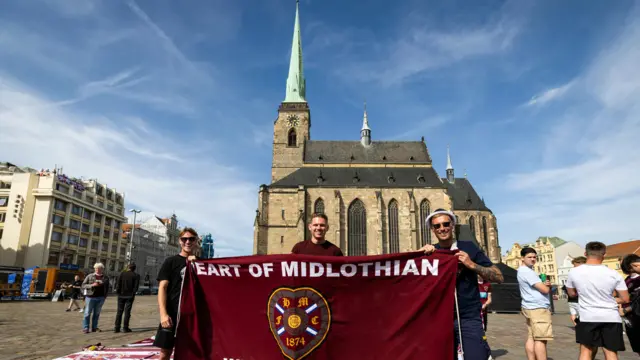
(174, 102)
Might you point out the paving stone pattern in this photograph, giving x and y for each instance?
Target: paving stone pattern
(43, 330)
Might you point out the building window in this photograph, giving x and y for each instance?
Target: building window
(73, 239)
(57, 220)
(94, 245)
(81, 261)
(77, 194)
(56, 236)
(53, 258)
(357, 236)
(472, 225)
(425, 231)
(3, 201)
(3, 217)
(485, 238)
(96, 231)
(98, 218)
(89, 199)
(100, 204)
(105, 246)
(92, 261)
(85, 228)
(394, 238)
(86, 214)
(291, 138)
(110, 207)
(60, 205)
(62, 188)
(123, 250)
(74, 224)
(318, 207)
(1, 231)
(76, 210)
(84, 242)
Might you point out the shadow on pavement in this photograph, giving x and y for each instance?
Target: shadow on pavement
(497, 353)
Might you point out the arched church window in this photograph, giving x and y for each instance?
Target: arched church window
(425, 231)
(318, 207)
(484, 234)
(472, 225)
(292, 138)
(357, 235)
(394, 238)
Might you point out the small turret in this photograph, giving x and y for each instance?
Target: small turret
(365, 133)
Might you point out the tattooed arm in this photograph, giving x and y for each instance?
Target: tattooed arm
(490, 273)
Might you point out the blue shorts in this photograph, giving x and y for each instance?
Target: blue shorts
(474, 341)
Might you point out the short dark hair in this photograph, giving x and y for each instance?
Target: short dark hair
(132, 267)
(319, 215)
(595, 248)
(579, 260)
(188, 230)
(528, 250)
(627, 261)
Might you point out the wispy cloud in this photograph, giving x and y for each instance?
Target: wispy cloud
(154, 170)
(594, 194)
(550, 95)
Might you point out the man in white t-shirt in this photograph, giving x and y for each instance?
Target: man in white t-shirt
(600, 324)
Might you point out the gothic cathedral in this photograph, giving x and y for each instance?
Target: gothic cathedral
(376, 194)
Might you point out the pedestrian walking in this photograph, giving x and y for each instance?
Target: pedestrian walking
(95, 287)
(76, 287)
(126, 288)
(471, 263)
(600, 323)
(535, 304)
(571, 300)
(169, 287)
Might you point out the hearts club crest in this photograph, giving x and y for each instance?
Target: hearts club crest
(299, 320)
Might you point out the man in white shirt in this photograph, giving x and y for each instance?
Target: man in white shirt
(535, 306)
(600, 323)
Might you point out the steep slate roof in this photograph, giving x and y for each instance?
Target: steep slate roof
(623, 248)
(379, 152)
(464, 196)
(366, 177)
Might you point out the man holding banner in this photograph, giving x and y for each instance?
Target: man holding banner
(318, 245)
(470, 339)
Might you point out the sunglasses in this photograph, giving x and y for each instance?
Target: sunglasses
(190, 238)
(444, 224)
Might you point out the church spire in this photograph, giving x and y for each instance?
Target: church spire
(450, 176)
(365, 133)
(296, 83)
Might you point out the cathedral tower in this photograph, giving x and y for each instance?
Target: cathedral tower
(291, 128)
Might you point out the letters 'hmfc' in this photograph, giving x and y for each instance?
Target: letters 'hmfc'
(299, 320)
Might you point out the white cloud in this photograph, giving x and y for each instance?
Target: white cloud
(592, 191)
(550, 95)
(155, 171)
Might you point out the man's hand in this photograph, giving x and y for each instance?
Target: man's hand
(428, 249)
(191, 258)
(465, 260)
(484, 307)
(166, 322)
(548, 283)
(95, 284)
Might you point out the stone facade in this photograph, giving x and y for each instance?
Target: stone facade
(368, 172)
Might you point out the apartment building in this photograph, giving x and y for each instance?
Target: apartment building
(552, 252)
(49, 218)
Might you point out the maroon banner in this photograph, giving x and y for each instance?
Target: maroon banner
(397, 307)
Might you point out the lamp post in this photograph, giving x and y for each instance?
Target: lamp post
(133, 229)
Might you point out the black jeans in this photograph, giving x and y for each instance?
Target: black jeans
(124, 303)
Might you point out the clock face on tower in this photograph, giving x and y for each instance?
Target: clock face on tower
(293, 120)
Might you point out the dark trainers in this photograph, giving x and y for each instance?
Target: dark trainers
(86, 331)
(67, 310)
(127, 330)
(96, 330)
(116, 330)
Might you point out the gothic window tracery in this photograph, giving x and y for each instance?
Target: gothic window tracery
(318, 207)
(394, 238)
(425, 231)
(357, 232)
(291, 138)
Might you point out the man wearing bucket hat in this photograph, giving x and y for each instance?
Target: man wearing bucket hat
(470, 340)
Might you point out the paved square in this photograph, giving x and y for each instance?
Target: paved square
(43, 330)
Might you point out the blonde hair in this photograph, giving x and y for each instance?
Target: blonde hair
(98, 265)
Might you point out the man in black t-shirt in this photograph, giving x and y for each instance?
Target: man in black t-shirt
(75, 286)
(169, 288)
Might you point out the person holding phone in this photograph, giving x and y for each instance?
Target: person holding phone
(95, 287)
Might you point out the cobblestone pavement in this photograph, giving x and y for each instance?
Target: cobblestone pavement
(43, 330)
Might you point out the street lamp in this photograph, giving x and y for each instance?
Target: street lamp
(133, 229)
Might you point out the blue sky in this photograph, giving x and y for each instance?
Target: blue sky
(174, 102)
